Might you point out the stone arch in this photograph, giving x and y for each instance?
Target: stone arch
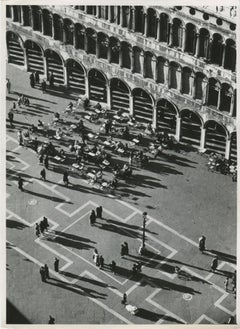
(97, 85)
(216, 135)
(120, 95)
(15, 48)
(47, 22)
(80, 35)
(203, 43)
(143, 103)
(55, 65)
(114, 45)
(191, 124)
(76, 74)
(102, 45)
(91, 36)
(27, 15)
(167, 113)
(34, 54)
(190, 42)
(230, 55)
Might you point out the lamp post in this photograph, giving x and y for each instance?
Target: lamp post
(142, 247)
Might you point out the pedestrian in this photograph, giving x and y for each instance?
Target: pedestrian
(51, 79)
(32, 80)
(226, 283)
(95, 254)
(134, 269)
(51, 320)
(35, 144)
(8, 86)
(99, 212)
(43, 274)
(44, 86)
(37, 228)
(43, 174)
(65, 178)
(10, 117)
(46, 271)
(46, 162)
(45, 223)
(101, 262)
(56, 265)
(214, 264)
(37, 77)
(123, 252)
(14, 106)
(113, 267)
(42, 227)
(20, 183)
(92, 218)
(201, 244)
(124, 300)
(126, 248)
(20, 137)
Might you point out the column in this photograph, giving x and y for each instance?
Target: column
(153, 63)
(86, 86)
(109, 53)
(197, 45)
(21, 14)
(97, 11)
(203, 137)
(142, 62)
(130, 56)
(209, 49)
(205, 91)
(133, 19)
(108, 95)
(192, 85)
(145, 24)
(223, 55)
(232, 104)
(131, 104)
(183, 38)
(40, 21)
(179, 78)
(85, 42)
(219, 98)
(65, 76)
(170, 34)
(74, 36)
(166, 73)
(154, 121)
(158, 28)
(228, 148)
(45, 66)
(121, 16)
(178, 128)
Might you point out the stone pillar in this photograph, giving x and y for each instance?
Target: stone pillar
(97, 11)
(203, 137)
(65, 76)
(41, 21)
(21, 15)
(121, 16)
(219, 98)
(45, 66)
(85, 42)
(145, 24)
(178, 128)
(131, 104)
(86, 86)
(133, 19)
(166, 74)
(223, 55)
(153, 64)
(109, 53)
(192, 85)
(158, 28)
(205, 91)
(197, 45)
(142, 62)
(179, 79)
(232, 104)
(228, 148)
(209, 49)
(108, 95)
(184, 38)
(154, 121)
(170, 34)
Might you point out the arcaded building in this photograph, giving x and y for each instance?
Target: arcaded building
(174, 67)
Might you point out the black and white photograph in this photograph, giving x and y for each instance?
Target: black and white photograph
(120, 163)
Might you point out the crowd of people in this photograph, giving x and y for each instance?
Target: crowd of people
(218, 163)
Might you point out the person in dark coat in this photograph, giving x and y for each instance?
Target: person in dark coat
(56, 265)
(45, 223)
(126, 248)
(20, 183)
(214, 264)
(41, 159)
(37, 80)
(44, 86)
(32, 80)
(99, 212)
(46, 271)
(51, 320)
(42, 227)
(46, 163)
(101, 262)
(43, 174)
(65, 178)
(92, 218)
(201, 245)
(113, 267)
(123, 250)
(43, 274)
(10, 118)
(124, 300)
(37, 228)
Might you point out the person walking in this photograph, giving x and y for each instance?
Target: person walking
(20, 137)
(20, 183)
(43, 274)
(46, 162)
(45, 223)
(113, 267)
(95, 254)
(10, 117)
(46, 271)
(8, 84)
(56, 265)
(214, 264)
(65, 178)
(32, 80)
(101, 262)
(201, 245)
(126, 248)
(44, 86)
(37, 228)
(42, 228)
(51, 320)
(92, 218)
(99, 212)
(37, 80)
(43, 174)
(123, 250)
(124, 300)
(226, 284)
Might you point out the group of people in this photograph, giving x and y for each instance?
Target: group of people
(218, 163)
(42, 226)
(35, 80)
(95, 214)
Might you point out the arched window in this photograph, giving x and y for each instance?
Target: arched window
(37, 18)
(103, 44)
(16, 14)
(213, 91)
(199, 85)
(139, 19)
(8, 11)
(203, 43)
(125, 16)
(137, 68)
(91, 10)
(217, 49)
(114, 49)
(26, 15)
(225, 97)
(160, 70)
(190, 38)
(230, 55)
(164, 23)
(173, 81)
(126, 55)
(47, 22)
(58, 27)
(177, 33)
(80, 35)
(186, 85)
(152, 23)
(91, 41)
(68, 31)
(148, 73)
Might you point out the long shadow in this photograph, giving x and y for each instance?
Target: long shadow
(73, 237)
(128, 226)
(223, 256)
(154, 317)
(162, 169)
(118, 230)
(75, 288)
(32, 97)
(82, 278)
(11, 223)
(51, 198)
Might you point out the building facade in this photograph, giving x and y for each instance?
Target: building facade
(172, 66)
